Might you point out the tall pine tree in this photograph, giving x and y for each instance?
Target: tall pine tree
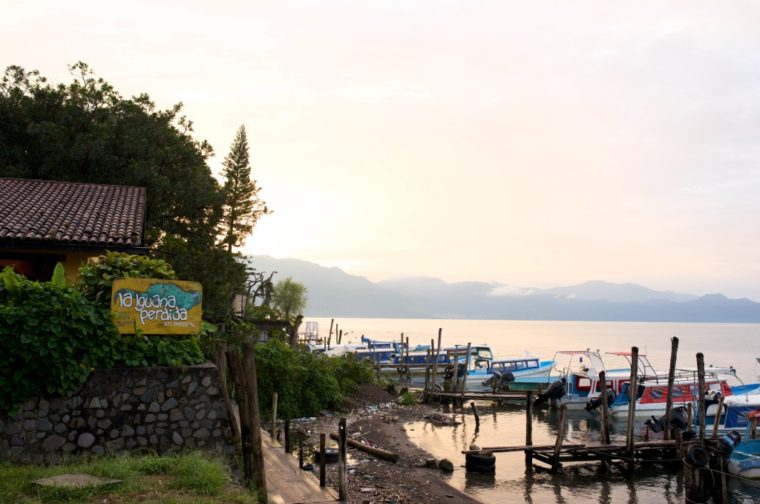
(243, 207)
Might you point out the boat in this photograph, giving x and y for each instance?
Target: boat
(652, 393)
(522, 367)
(578, 386)
(743, 454)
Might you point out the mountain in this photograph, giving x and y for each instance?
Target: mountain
(335, 293)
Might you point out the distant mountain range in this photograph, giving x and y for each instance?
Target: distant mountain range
(335, 293)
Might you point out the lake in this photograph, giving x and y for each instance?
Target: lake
(722, 345)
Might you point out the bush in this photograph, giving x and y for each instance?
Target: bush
(305, 383)
(96, 278)
(52, 337)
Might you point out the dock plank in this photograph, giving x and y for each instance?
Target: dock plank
(286, 483)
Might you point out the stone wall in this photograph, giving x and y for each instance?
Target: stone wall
(159, 409)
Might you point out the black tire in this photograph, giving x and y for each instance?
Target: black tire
(470, 467)
(697, 456)
(480, 463)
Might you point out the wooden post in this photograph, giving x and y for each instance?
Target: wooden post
(466, 372)
(322, 456)
(300, 453)
(287, 435)
(455, 388)
(241, 385)
(529, 429)
(678, 435)
(427, 371)
(723, 481)
(671, 379)
(753, 428)
(221, 364)
(718, 413)
(274, 415)
(329, 336)
(342, 482)
(408, 375)
(260, 480)
(632, 392)
(244, 377)
(701, 406)
(560, 436)
(340, 337)
(605, 432)
(477, 418)
(437, 354)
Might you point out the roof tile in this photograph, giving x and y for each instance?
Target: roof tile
(71, 213)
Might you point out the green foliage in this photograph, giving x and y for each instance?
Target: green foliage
(196, 478)
(96, 278)
(242, 205)
(59, 276)
(52, 336)
(289, 297)
(50, 339)
(85, 131)
(407, 399)
(305, 383)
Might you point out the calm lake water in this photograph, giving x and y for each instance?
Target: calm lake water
(722, 345)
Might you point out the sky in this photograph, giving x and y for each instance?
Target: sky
(534, 144)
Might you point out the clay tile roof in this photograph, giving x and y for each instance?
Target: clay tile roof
(71, 213)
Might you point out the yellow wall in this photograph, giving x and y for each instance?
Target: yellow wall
(73, 259)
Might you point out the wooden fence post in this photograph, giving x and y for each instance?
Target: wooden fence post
(701, 406)
(605, 428)
(671, 380)
(342, 481)
(633, 389)
(529, 429)
(322, 455)
(221, 364)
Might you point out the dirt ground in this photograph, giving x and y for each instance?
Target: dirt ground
(375, 418)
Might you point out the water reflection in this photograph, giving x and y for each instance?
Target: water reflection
(576, 484)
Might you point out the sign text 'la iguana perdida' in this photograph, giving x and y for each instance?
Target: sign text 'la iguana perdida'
(156, 306)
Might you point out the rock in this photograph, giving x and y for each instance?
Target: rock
(169, 404)
(52, 443)
(85, 440)
(177, 439)
(446, 465)
(154, 407)
(76, 481)
(431, 463)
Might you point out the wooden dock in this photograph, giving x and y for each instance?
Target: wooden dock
(519, 395)
(286, 483)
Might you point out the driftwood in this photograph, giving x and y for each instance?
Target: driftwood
(377, 452)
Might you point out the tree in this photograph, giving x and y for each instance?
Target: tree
(85, 131)
(289, 297)
(242, 205)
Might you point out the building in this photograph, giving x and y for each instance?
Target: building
(43, 222)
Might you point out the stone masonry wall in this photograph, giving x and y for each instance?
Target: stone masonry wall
(158, 409)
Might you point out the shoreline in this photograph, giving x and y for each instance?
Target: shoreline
(376, 419)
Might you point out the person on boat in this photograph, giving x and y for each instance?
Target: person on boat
(448, 374)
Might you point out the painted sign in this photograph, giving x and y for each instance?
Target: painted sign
(156, 306)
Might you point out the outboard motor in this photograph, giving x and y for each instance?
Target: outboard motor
(500, 381)
(595, 402)
(678, 419)
(727, 443)
(555, 391)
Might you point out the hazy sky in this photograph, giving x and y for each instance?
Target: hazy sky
(530, 143)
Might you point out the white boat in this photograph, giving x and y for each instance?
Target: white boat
(580, 376)
(651, 396)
